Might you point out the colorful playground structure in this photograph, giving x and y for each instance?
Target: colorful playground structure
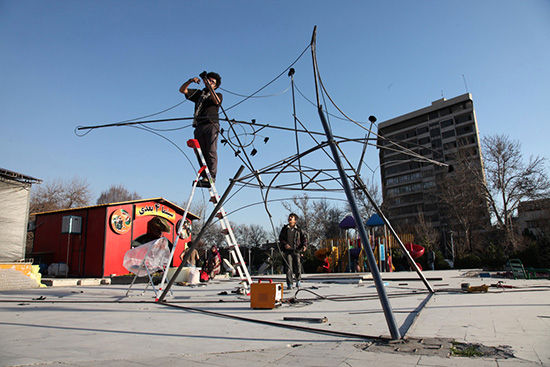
(347, 254)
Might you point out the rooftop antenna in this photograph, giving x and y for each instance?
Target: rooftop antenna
(465, 85)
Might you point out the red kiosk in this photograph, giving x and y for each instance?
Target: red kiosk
(93, 240)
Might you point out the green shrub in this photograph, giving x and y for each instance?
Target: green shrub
(468, 261)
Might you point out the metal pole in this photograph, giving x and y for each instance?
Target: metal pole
(388, 313)
(387, 222)
(272, 261)
(195, 242)
(291, 75)
(68, 245)
(452, 249)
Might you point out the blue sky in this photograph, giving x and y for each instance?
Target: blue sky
(70, 63)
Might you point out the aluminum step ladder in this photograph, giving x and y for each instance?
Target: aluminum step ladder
(236, 256)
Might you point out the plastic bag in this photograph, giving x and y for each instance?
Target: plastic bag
(156, 254)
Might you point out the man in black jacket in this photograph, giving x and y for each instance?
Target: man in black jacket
(293, 242)
(206, 119)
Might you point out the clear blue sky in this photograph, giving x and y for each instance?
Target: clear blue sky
(70, 63)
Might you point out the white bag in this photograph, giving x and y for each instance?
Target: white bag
(156, 254)
(194, 276)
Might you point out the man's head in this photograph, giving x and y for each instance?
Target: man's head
(157, 226)
(292, 219)
(214, 78)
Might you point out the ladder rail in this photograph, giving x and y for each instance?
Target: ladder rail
(229, 236)
(178, 231)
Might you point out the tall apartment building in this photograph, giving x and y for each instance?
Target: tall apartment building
(439, 132)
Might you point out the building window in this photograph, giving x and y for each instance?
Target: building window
(446, 123)
(437, 154)
(449, 145)
(422, 130)
(464, 129)
(444, 111)
(458, 107)
(436, 143)
(448, 134)
(463, 118)
(435, 132)
(467, 140)
(422, 141)
(428, 185)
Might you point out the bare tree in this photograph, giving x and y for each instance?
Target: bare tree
(365, 206)
(304, 206)
(317, 218)
(425, 234)
(54, 195)
(326, 220)
(462, 197)
(250, 235)
(60, 194)
(212, 233)
(116, 194)
(511, 180)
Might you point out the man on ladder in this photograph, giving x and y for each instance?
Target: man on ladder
(206, 119)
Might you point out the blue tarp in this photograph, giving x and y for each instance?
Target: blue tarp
(347, 222)
(375, 221)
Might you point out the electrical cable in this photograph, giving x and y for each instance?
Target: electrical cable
(277, 324)
(270, 82)
(167, 139)
(133, 119)
(253, 96)
(404, 149)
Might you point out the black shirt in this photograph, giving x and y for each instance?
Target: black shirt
(206, 111)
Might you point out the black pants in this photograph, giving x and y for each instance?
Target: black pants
(293, 266)
(207, 136)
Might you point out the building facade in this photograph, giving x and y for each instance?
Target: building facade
(92, 240)
(443, 132)
(15, 196)
(534, 216)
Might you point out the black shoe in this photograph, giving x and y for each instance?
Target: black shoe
(203, 182)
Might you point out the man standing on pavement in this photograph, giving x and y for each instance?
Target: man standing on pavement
(206, 119)
(293, 242)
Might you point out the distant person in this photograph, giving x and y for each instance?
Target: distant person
(206, 119)
(194, 257)
(431, 259)
(293, 242)
(213, 262)
(354, 255)
(155, 228)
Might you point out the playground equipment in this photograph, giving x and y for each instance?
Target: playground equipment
(416, 251)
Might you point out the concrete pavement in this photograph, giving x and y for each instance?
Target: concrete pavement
(92, 325)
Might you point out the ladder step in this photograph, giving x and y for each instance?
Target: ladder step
(236, 255)
(193, 143)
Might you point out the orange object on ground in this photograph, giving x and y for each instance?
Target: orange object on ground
(266, 295)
